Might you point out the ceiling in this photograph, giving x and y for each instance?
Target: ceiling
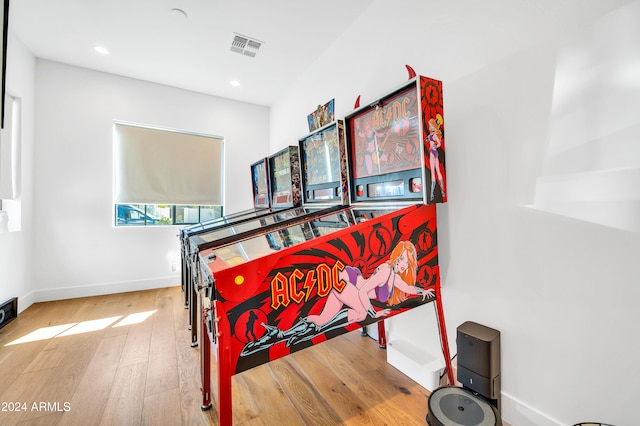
(188, 48)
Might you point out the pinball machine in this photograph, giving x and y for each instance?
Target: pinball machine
(292, 284)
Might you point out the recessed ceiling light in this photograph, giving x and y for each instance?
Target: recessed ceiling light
(235, 83)
(101, 50)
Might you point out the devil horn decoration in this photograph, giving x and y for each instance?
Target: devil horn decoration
(357, 104)
(412, 73)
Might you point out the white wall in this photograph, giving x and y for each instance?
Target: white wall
(16, 278)
(562, 291)
(77, 250)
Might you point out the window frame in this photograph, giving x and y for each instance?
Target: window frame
(146, 210)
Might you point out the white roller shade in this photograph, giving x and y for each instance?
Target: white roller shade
(157, 166)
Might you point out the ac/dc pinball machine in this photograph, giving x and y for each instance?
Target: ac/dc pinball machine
(350, 266)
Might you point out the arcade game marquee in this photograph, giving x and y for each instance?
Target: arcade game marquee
(296, 283)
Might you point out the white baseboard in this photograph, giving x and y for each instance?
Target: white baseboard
(48, 295)
(25, 301)
(517, 413)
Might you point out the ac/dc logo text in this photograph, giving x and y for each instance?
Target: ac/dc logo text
(384, 116)
(298, 286)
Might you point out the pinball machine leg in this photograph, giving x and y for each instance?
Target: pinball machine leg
(382, 335)
(205, 364)
(184, 274)
(443, 338)
(193, 314)
(225, 407)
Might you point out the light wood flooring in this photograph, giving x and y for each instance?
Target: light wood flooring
(101, 372)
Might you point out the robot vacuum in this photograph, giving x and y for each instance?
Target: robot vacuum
(456, 406)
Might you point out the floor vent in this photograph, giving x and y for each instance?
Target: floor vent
(8, 311)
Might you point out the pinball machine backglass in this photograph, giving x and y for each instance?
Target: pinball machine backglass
(260, 184)
(396, 145)
(284, 177)
(324, 166)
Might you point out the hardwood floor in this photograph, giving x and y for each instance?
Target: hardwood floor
(88, 366)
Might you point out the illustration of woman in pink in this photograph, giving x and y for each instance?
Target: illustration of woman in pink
(368, 138)
(391, 283)
(435, 141)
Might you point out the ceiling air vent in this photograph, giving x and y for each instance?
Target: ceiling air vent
(245, 45)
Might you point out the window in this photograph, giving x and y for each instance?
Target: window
(157, 214)
(166, 177)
